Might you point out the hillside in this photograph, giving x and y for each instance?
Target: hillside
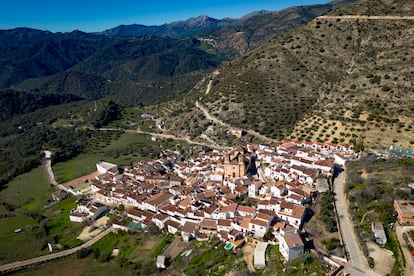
(333, 79)
(89, 86)
(132, 69)
(256, 29)
(18, 102)
(27, 53)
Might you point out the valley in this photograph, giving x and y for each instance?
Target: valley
(279, 143)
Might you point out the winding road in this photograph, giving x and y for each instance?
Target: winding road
(220, 122)
(25, 263)
(163, 136)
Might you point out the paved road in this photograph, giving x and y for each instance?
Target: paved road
(21, 264)
(52, 177)
(366, 17)
(357, 263)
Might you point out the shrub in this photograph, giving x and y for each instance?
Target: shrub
(331, 243)
(386, 88)
(371, 262)
(375, 79)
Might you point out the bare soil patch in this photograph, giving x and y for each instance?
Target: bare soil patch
(383, 258)
(248, 252)
(87, 233)
(176, 247)
(149, 244)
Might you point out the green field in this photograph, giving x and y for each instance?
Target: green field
(81, 165)
(213, 260)
(130, 147)
(29, 191)
(17, 246)
(22, 203)
(133, 247)
(59, 225)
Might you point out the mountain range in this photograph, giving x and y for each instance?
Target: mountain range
(234, 35)
(178, 29)
(286, 74)
(133, 62)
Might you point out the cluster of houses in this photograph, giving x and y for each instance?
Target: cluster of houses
(204, 195)
(88, 210)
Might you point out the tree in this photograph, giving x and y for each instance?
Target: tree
(103, 116)
(121, 208)
(83, 253)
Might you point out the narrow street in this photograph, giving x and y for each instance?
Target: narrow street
(357, 263)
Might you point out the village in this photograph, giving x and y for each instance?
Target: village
(252, 193)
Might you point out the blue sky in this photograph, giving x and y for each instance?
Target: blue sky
(98, 15)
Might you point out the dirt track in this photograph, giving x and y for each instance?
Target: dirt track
(366, 17)
(218, 121)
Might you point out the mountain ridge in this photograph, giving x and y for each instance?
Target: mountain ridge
(177, 29)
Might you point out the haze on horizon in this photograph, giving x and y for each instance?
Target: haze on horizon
(98, 15)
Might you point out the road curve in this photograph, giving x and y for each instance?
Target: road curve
(357, 263)
(218, 121)
(161, 135)
(22, 264)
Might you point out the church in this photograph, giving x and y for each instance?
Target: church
(236, 163)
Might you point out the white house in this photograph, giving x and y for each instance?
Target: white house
(155, 202)
(292, 213)
(259, 227)
(104, 167)
(78, 217)
(224, 225)
(339, 159)
(172, 226)
(188, 230)
(254, 188)
(379, 232)
(159, 220)
(245, 211)
(291, 246)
